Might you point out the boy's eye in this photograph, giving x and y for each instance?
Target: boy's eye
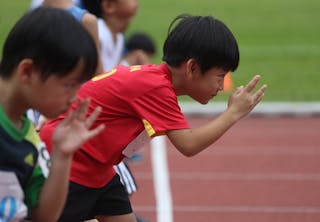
(221, 76)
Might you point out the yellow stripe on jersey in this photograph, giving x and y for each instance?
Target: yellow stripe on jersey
(150, 131)
(135, 68)
(102, 76)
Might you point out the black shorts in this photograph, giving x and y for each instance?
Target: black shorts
(85, 203)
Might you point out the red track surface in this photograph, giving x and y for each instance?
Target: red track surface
(265, 169)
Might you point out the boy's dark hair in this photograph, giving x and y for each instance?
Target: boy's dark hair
(140, 40)
(203, 38)
(54, 40)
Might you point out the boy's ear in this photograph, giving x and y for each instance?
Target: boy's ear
(25, 70)
(192, 67)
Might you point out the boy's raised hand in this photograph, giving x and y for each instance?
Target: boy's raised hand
(244, 99)
(75, 130)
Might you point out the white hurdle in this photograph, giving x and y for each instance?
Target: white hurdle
(161, 179)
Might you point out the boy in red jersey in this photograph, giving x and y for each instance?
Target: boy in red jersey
(140, 102)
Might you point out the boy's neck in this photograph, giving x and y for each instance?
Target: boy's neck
(10, 103)
(177, 79)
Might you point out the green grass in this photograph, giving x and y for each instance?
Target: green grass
(278, 39)
(10, 12)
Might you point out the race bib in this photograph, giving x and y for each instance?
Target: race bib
(44, 159)
(12, 207)
(136, 144)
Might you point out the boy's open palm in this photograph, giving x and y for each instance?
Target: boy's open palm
(75, 130)
(244, 99)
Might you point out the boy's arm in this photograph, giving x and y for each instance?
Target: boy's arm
(192, 141)
(90, 22)
(69, 135)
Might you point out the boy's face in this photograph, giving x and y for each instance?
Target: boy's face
(205, 86)
(126, 9)
(55, 95)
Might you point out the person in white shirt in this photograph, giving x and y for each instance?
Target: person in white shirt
(114, 18)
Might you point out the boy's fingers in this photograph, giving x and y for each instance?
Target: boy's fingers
(90, 120)
(252, 84)
(260, 93)
(82, 109)
(68, 119)
(95, 131)
(239, 89)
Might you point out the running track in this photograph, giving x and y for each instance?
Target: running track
(265, 169)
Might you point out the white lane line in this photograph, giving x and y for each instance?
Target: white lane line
(263, 108)
(161, 179)
(266, 151)
(237, 209)
(235, 176)
(249, 209)
(246, 176)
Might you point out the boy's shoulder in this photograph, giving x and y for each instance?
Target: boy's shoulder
(132, 81)
(18, 151)
(152, 69)
(21, 150)
(77, 12)
(151, 74)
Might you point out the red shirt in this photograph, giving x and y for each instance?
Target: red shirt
(133, 99)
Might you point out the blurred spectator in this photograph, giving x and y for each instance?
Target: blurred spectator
(140, 49)
(113, 19)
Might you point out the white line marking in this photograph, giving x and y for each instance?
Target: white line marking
(266, 108)
(237, 209)
(235, 176)
(246, 176)
(264, 151)
(248, 209)
(161, 179)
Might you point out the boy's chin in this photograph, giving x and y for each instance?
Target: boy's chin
(204, 102)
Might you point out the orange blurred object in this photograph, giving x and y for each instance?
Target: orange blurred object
(228, 84)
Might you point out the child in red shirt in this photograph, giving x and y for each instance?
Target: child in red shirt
(140, 102)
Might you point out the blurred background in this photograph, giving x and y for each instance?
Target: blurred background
(279, 40)
(264, 169)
